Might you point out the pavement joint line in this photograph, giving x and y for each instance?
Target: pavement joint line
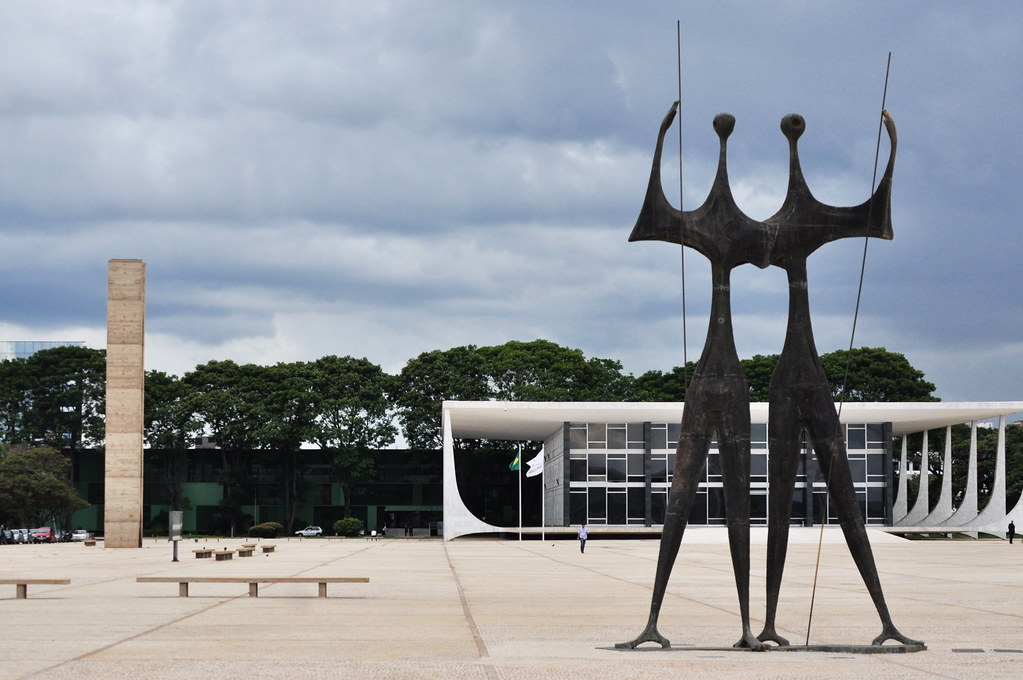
(477, 637)
(646, 586)
(113, 631)
(722, 608)
(100, 650)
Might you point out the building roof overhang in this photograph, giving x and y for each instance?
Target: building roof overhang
(515, 420)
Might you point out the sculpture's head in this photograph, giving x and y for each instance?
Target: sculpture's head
(793, 126)
(724, 123)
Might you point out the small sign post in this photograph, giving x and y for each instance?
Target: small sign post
(175, 518)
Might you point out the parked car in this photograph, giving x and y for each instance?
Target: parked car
(79, 535)
(309, 531)
(42, 535)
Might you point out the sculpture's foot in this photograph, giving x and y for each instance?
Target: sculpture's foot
(891, 633)
(747, 641)
(769, 634)
(648, 635)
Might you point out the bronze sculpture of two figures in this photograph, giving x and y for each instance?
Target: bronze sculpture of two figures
(717, 399)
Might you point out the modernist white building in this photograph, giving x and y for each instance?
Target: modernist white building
(610, 465)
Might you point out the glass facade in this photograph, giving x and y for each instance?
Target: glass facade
(23, 349)
(620, 474)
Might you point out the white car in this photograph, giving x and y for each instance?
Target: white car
(79, 535)
(309, 531)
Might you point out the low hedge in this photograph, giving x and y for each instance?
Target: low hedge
(349, 526)
(266, 530)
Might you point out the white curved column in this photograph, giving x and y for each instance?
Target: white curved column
(992, 518)
(901, 507)
(1016, 514)
(967, 510)
(458, 521)
(921, 508)
(943, 509)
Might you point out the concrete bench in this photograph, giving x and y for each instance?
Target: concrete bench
(253, 581)
(244, 551)
(89, 541)
(248, 545)
(268, 547)
(221, 555)
(22, 584)
(203, 552)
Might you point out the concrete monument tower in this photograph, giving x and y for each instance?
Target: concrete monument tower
(126, 303)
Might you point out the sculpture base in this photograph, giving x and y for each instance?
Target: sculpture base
(828, 649)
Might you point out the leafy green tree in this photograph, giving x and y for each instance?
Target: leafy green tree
(280, 399)
(35, 487)
(671, 386)
(353, 417)
(515, 371)
(65, 390)
(170, 425)
(430, 379)
(544, 371)
(14, 400)
(661, 386)
(758, 370)
(875, 374)
(220, 396)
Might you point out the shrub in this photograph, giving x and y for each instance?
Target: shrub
(349, 526)
(266, 530)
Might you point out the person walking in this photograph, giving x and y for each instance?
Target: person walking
(1012, 531)
(583, 534)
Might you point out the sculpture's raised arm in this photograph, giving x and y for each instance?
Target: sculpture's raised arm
(803, 223)
(658, 220)
(718, 229)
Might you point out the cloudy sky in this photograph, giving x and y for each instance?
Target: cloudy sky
(380, 179)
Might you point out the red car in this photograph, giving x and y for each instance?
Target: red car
(42, 535)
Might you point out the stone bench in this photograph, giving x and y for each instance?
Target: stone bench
(268, 547)
(245, 551)
(221, 555)
(253, 581)
(89, 541)
(203, 552)
(22, 584)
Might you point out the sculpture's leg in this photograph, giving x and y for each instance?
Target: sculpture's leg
(734, 449)
(690, 459)
(783, 436)
(828, 444)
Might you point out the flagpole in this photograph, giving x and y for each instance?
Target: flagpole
(520, 490)
(543, 504)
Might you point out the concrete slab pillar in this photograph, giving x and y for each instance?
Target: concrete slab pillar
(126, 300)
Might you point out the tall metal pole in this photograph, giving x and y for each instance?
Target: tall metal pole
(520, 490)
(543, 503)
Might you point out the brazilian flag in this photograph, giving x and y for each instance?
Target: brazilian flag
(514, 465)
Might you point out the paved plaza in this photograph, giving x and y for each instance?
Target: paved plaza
(502, 609)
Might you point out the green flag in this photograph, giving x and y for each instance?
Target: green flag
(514, 465)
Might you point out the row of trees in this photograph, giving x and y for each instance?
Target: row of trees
(56, 397)
(350, 407)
